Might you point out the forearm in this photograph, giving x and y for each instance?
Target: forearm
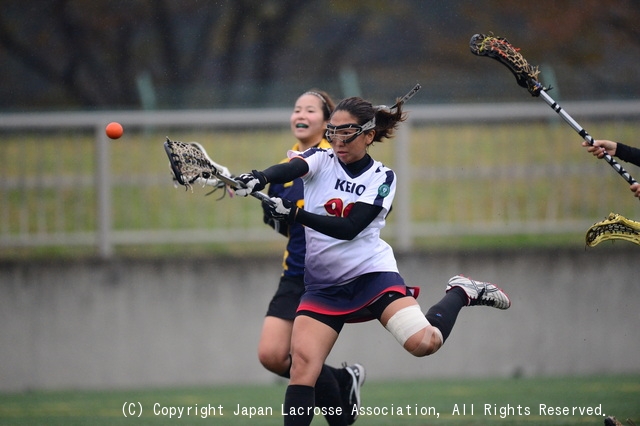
(628, 154)
(341, 228)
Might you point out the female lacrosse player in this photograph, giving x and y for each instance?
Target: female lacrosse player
(334, 387)
(351, 273)
(616, 149)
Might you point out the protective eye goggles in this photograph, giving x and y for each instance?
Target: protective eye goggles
(346, 133)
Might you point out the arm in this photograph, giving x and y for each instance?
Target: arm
(620, 150)
(615, 149)
(341, 228)
(286, 172)
(280, 173)
(628, 154)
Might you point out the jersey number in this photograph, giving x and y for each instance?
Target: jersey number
(336, 207)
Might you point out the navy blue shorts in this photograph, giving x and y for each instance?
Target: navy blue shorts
(287, 298)
(360, 300)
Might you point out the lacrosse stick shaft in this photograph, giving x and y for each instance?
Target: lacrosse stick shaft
(232, 183)
(262, 197)
(586, 136)
(526, 75)
(408, 96)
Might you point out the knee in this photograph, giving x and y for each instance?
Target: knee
(299, 362)
(275, 362)
(305, 369)
(426, 342)
(414, 332)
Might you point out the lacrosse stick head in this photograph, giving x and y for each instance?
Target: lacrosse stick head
(504, 52)
(614, 227)
(190, 163)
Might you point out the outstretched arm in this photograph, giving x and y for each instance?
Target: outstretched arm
(624, 152)
(628, 153)
(286, 172)
(279, 173)
(342, 228)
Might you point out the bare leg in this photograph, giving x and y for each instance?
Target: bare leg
(274, 351)
(425, 341)
(275, 345)
(311, 342)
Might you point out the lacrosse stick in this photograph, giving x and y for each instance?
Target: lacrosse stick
(403, 99)
(612, 421)
(614, 227)
(190, 163)
(526, 75)
(214, 182)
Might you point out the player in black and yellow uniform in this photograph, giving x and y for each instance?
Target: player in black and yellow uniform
(335, 387)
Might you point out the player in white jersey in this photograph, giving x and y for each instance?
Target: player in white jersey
(335, 386)
(351, 274)
(331, 261)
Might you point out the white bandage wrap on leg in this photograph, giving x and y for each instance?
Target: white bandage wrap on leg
(406, 322)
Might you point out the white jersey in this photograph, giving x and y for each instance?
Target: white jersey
(329, 189)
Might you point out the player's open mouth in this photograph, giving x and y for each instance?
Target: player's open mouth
(301, 126)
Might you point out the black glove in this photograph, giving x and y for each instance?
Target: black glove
(250, 182)
(280, 209)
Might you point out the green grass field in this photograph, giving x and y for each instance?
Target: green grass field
(521, 401)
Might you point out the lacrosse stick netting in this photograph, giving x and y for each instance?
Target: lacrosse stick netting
(190, 163)
(614, 227)
(500, 49)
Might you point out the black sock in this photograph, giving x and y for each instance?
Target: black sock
(443, 314)
(328, 394)
(298, 405)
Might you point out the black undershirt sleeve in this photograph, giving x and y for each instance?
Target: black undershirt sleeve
(341, 228)
(286, 172)
(628, 154)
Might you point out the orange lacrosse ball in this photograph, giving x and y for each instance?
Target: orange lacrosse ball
(114, 130)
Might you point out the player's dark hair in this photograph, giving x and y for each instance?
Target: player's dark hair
(328, 104)
(387, 121)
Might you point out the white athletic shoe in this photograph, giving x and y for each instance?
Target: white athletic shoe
(480, 293)
(358, 376)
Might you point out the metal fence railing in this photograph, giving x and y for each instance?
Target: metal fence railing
(462, 170)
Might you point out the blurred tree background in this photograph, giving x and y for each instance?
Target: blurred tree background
(164, 54)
